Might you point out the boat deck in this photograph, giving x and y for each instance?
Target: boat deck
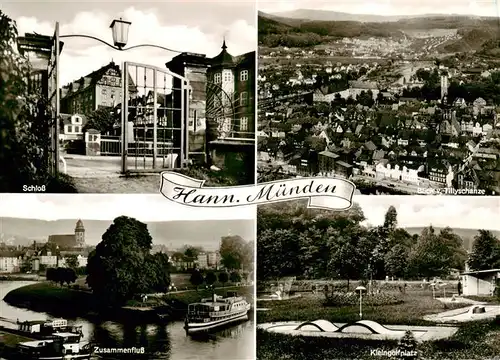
(11, 339)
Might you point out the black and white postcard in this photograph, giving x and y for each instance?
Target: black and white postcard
(395, 277)
(100, 97)
(124, 276)
(400, 97)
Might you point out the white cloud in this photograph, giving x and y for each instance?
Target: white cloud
(439, 211)
(82, 56)
(154, 207)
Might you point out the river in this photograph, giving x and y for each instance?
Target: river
(167, 341)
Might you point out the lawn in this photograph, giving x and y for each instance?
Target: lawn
(48, 297)
(188, 297)
(475, 340)
(311, 307)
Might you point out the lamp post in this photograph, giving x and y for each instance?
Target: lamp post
(119, 29)
(360, 289)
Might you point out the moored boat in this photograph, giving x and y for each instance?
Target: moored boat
(62, 346)
(215, 312)
(40, 329)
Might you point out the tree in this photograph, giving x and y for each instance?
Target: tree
(191, 252)
(346, 260)
(157, 267)
(72, 261)
(196, 278)
(25, 120)
(210, 278)
(102, 120)
(50, 275)
(116, 267)
(60, 275)
(68, 275)
(235, 277)
(223, 278)
(433, 255)
(396, 261)
(232, 251)
(277, 253)
(407, 346)
(485, 253)
(391, 219)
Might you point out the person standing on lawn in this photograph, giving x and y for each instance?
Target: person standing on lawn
(459, 288)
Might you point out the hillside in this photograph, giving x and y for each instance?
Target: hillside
(466, 234)
(325, 15)
(277, 31)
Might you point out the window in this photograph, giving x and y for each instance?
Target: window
(226, 126)
(244, 75)
(244, 124)
(77, 129)
(243, 98)
(228, 76)
(217, 78)
(70, 129)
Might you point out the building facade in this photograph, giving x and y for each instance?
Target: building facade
(100, 88)
(69, 241)
(480, 283)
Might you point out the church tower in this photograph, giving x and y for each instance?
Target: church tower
(80, 234)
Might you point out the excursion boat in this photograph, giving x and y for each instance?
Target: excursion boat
(215, 312)
(41, 329)
(61, 346)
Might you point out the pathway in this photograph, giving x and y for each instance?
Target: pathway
(101, 174)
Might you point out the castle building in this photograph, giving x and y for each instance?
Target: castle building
(222, 103)
(70, 241)
(100, 88)
(226, 86)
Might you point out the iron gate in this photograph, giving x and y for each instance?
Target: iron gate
(154, 112)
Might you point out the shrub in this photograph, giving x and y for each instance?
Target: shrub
(346, 299)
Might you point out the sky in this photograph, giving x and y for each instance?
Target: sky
(387, 7)
(464, 212)
(151, 207)
(173, 234)
(192, 26)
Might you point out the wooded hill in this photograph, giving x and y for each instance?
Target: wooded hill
(292, 32)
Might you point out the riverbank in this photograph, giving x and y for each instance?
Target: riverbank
(473, 340)
(67, 302)
(22, 277)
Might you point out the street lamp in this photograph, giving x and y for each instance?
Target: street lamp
(120, 32)
(360, 289)
(119, 29)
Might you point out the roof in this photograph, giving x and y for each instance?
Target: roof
(224, 58)
(66, 118)
(64, 334)
(329, 154)
(344, 164)
(34, 322)
(67, 240)
(481, 272)
(370, 146)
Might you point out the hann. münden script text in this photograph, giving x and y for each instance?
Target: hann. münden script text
(269, 192)
(272, 192)
(190, 197)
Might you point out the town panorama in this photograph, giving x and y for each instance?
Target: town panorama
(397, 106)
